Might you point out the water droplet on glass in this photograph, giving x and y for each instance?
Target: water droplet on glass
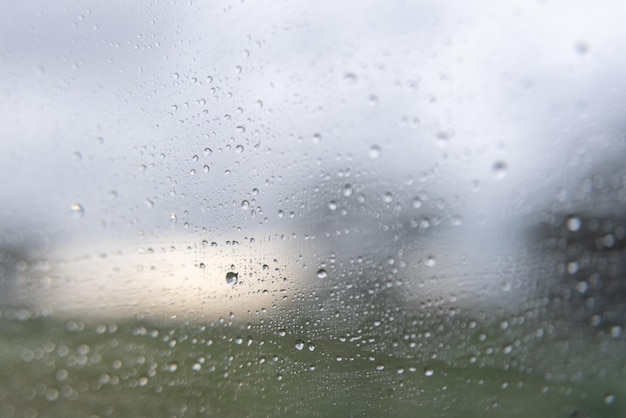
(380, 367)
(609, 399)
(311, 347)
(431, 262)
(77, 210)
(387, 197)
(582, 47)
(332, 205)
(317, 138)
(241, 129)
(239, 149)
(299, 345)
(206, 169)
(428, 372)
(232, 278)
(443, 138)
(322, 274)
(416, 203)
(574, 223)
(245, 205)
(616, 331)
(375, 151)
(350, 78)
(347, 190)
(500, 169)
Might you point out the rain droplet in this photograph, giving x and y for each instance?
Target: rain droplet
(387, 197)
(431, 262)
(245, 205)
(347, 190)
(457, 220)
(317, 138)
(416, 203)
(428, 372)
(322, 274)
(299, 345)
(351, 78)
(581, 47)
(232, 278)
(332, 205)
(311, 347)
(443, 138)
(500, 169)
(380, 367)
(375, 151)
(239, 149)
(77, 210)
(574, 223)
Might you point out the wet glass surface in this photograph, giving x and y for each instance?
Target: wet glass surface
(312, 209)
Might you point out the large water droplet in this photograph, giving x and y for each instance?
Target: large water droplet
(375, 151)
(500, 169)
(232, 278)
(322, 274)
(428, 372)
(77, 210)
(299, 345)
(574, 223)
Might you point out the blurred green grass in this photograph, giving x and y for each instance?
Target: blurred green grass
(53, 367)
